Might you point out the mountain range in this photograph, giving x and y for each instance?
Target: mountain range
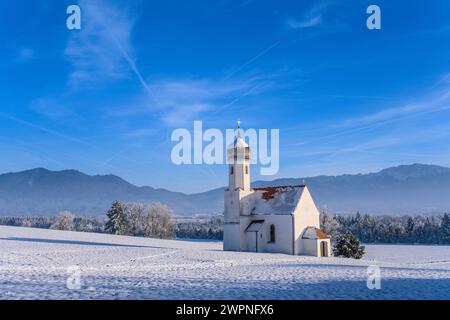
(405, 189)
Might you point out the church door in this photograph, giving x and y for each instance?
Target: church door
(323, 249)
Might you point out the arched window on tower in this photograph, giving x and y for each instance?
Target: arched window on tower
(231, 169)
(246, 169)
(272, 234)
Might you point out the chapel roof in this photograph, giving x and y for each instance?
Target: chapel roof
(255, 226)
(314, 233)
(238, 143)
(277, 200)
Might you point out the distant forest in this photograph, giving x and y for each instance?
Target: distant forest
(390, 229)
(368, 229)
(200, 229)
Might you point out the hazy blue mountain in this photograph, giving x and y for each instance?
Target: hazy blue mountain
(412, 189)
(40, 191)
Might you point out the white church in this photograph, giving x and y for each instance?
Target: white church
(281, 219)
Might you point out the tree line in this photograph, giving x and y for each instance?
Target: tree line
(389, 229)
(206, 229)
(156, 220)
(63, 221)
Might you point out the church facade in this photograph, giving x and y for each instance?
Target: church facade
(282, 219)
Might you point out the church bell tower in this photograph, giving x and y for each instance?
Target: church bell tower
(239, 163)
(238, 156)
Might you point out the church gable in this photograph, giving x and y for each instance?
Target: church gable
(306, 206)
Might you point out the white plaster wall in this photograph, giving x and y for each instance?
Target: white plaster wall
(231, 237)
(310, 247)
(239, 178)
(237, 203)
(247, 202)
(245, 243)
(283, 233)
(306, 215)
(231, 206)
(231, 230)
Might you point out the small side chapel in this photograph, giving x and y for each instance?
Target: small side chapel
(282, 219)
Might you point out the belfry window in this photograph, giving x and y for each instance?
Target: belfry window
(272, 233)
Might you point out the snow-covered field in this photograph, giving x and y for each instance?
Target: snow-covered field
(34, 265)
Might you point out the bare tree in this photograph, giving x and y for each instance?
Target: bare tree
(64, 221)
(135, 214)
(159, 221)
(328, 223)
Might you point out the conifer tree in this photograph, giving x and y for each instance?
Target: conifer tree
(117, 223)
(445, 229)
(348, 246)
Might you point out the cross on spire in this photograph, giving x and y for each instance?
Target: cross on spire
(239, 127)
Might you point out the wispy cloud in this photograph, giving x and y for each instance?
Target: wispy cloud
(312, 18)
(66, 137)
(102, 49)
(43, 129)
(250, 61)
(178, 101)
(101, 52)
(383, 132)
(402, 142)
(435, 102)
(304, 23)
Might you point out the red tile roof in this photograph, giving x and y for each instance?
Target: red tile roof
(314, 233)
(271, 191)
(321, 234)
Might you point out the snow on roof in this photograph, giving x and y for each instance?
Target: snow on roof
(314, 233)
(238, 143)
(255, 226)
(277, 200)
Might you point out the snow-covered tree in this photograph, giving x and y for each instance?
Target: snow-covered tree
(117, 222)
(328, 223)
(445, 229)
(89, 224)
(159, 221)
(64, 221)
(348, 246)
(134, 214)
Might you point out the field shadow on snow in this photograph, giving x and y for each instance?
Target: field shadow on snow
(194, 288)
(395, 289)
(258, 289)
(76, 242)
(362, 267)
(398, 288)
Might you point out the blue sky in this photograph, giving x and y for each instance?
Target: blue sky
(107, 98)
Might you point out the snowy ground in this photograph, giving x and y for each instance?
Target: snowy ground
(34, 262)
